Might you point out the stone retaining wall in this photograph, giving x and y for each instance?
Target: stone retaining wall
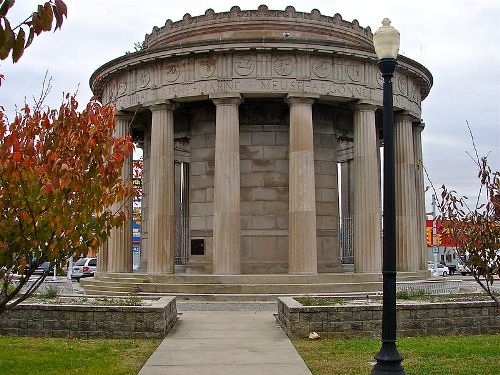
(83, 321)
(365, 321)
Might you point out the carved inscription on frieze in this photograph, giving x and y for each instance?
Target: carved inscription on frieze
(248, 72)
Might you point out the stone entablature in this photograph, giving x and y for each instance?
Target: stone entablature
(265, 73)
(259, 66)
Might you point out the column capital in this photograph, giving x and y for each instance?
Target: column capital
(304, 99)
(364, 105)
(124, 116)
(123, 123)
(405, 116)
(419, 125)
(230, 98)
(164, 105)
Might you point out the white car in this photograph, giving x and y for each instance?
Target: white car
(463, 269)
(440, 271)
(84, 267)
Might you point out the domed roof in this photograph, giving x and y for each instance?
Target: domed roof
(261, 25)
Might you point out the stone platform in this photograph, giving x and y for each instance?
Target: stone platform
(238, 287)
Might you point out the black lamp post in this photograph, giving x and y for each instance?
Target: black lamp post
(386, 42)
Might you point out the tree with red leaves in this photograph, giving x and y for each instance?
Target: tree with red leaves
(60, 173)
(475, 229)
(14, 40)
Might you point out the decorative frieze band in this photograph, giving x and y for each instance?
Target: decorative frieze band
(258, 73)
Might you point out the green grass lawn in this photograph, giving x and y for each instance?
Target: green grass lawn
(457, 355)
(29, 355)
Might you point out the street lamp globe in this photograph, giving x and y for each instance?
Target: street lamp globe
(386, 41)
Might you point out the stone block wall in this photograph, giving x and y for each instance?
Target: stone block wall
(264, 140)
(201, 184)
(264, 144)
(365, 320)
(327, 194)
(91, 321)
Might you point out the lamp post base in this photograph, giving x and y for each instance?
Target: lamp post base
(388, 368)
(388, 360)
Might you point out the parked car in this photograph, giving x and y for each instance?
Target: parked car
(463, 269)
(43, 267)
(440, 271)
(84, 267)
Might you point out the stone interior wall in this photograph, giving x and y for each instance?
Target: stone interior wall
(201, 184)
(264, 141)
(456, 318)
(327, 194)
(91, 321)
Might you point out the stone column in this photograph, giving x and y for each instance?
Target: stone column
(420, 194)
(302, 246)
(366, 226)
(146, 157)
(407, 251)
(227, 240)
(119, 243)
(161, 246)
(102, 257)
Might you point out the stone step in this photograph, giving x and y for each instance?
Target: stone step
(92, 285)
(255, 279)
(258, 288)
(255, 297)
(122, 280)
(107, 293)
(215, 287)
(279, 289)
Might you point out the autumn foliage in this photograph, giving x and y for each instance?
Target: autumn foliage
(475, 230)
(59, 172)
(15, 39)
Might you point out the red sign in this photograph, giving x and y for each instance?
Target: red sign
(442, 239)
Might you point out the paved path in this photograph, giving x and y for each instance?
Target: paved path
(219, 343)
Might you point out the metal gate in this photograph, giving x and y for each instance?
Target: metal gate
(181, 240)
(346, 240)
(182, 243)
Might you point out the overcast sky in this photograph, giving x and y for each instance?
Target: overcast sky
(457, 40)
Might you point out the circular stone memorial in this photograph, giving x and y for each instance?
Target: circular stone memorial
(261, 135)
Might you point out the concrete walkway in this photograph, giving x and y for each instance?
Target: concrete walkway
(215, 343)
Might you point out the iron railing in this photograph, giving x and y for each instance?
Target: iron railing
(346, 240)
(181, 240)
